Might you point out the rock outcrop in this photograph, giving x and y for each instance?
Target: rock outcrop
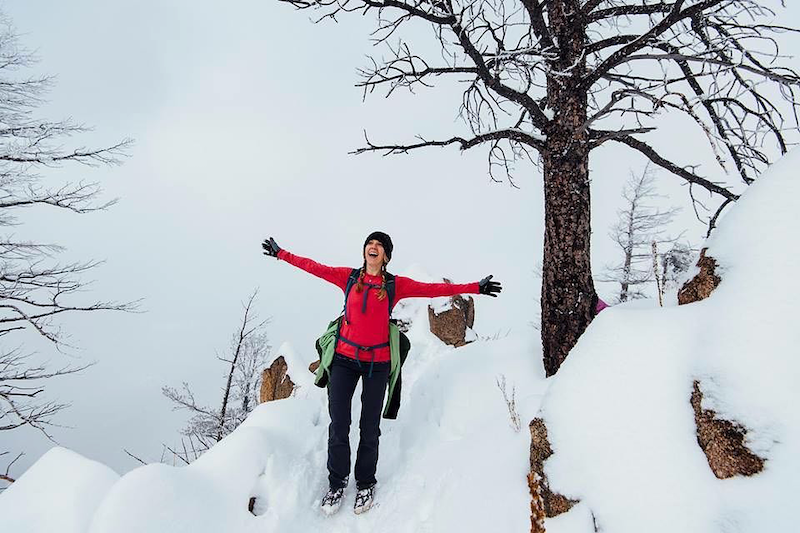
(537, 503)
(275, 382)
(553, 503)
(703, 284)
(723, 442)
(451, 325)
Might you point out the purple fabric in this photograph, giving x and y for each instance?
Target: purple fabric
(600, 305)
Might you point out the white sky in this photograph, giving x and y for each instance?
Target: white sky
(243, 114)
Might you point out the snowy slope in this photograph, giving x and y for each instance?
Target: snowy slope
(618, 415)
(450, 460)
(618, 411)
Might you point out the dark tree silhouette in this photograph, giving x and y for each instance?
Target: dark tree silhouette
(550, 81)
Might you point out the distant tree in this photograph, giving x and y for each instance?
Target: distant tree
(641, 223)
(675, 263)
(549, 81)
(249, 350)
(35, 289)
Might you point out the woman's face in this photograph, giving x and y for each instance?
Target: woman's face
(375, 254)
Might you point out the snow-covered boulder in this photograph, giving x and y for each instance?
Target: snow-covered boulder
(723, 441)
(703, 283)
(452, 321)
(286, 374)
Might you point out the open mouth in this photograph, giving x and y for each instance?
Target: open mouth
(372, 254)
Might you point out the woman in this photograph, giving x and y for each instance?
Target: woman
(361, 337)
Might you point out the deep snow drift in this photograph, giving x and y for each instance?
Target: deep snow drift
(618, 415)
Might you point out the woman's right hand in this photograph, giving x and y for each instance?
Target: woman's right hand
(270, 247)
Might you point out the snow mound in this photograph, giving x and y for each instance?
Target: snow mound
(60, 492)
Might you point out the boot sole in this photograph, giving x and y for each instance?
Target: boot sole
(329, 510)
(364, 509)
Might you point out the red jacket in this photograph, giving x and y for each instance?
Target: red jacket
(371, 327)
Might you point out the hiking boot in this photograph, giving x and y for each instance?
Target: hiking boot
(332, 501)
(364, 500)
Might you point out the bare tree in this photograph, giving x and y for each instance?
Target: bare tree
(35, 289)
(640, 224)
(549, 81)
(249, 351)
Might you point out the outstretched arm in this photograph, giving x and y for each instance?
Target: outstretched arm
(409, 288)
(336, 275)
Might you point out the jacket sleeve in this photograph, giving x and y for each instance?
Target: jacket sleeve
(409, 288)
(336, 275)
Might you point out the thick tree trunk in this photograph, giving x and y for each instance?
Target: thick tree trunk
(567, 289)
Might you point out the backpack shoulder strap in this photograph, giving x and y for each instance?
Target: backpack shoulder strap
(352, 279)
(390, 290)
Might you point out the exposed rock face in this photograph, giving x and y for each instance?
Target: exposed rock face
(723, 442)
(537, 503)
(275, 382)
(554, 504)
(703, 284)
(451, 325)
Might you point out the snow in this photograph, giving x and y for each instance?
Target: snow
(618, 411)
(60, 492)
(618, 416)
(450, 451)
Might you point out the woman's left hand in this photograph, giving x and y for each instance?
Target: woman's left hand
(488, 287)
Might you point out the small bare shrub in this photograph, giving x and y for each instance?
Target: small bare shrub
(511, 403)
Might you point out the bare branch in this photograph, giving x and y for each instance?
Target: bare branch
(6, 476)
(673, 168)
(629, 11)
(674, 16)
(134, 457)
(464, 144)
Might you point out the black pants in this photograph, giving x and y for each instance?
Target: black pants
(344, 376)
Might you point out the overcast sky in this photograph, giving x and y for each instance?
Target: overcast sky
(243, 114)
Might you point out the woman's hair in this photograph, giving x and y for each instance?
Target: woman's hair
(360, 284)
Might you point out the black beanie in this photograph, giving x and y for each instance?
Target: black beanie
(384, 239)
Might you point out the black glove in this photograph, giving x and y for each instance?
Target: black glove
(491, 288)
(270, 247)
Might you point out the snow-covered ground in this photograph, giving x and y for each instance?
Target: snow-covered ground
(449, 460)
(618, 414)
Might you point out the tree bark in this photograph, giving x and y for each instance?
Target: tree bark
(567, 289)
